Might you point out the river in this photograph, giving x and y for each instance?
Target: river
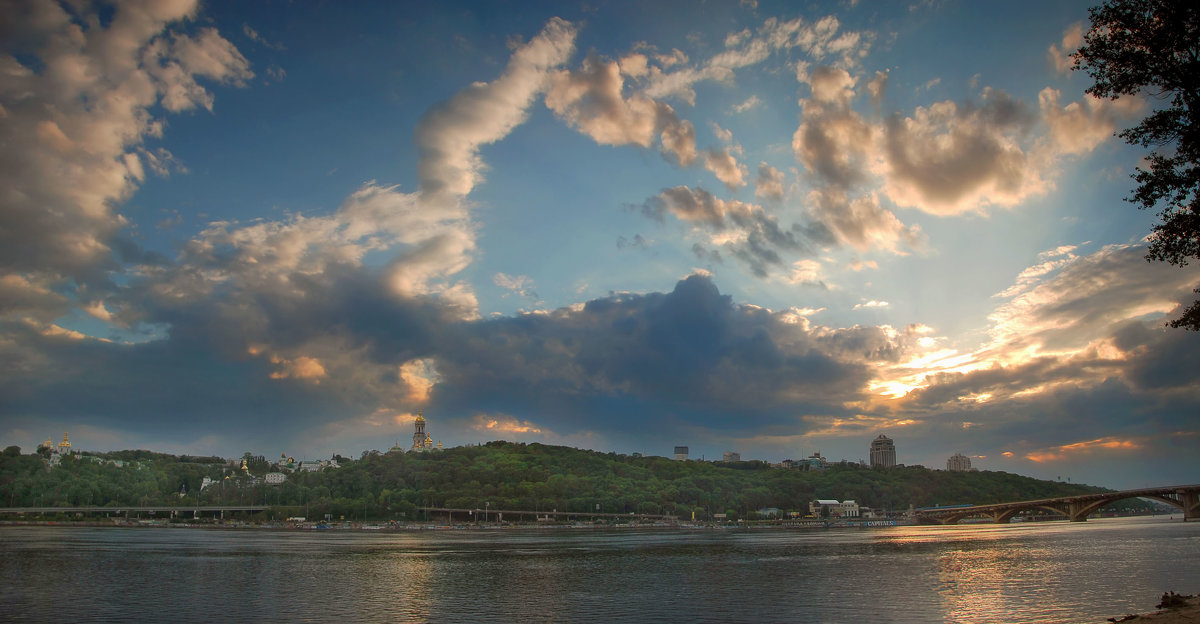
(1025, 572)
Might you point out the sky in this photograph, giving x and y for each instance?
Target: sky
(773, 228)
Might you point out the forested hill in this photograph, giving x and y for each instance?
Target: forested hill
(520, 476)
(500, 475)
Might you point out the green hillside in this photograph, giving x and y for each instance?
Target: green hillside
(500, 475)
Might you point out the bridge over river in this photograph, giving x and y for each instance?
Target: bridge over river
(1075, 508)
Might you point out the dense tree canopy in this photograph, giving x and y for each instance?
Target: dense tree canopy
(500, 475)
(1153, 47)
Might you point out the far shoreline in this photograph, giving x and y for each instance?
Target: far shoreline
(341, 525)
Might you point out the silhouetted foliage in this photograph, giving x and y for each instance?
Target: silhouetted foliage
(1153, 47)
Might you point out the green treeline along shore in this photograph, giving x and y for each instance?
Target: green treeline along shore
(499, 475)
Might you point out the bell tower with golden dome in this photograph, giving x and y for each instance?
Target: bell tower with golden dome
(421, 439)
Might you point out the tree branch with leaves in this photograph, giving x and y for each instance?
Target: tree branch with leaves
(1152, 47)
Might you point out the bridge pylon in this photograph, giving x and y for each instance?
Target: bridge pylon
(1191, 504)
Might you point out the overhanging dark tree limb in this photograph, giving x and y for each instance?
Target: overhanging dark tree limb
(1153, 47)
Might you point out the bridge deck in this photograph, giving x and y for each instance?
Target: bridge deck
(1077, 508)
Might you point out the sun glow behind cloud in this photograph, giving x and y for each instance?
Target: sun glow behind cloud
(1035, 327)
(503, 423)
(1086, 447)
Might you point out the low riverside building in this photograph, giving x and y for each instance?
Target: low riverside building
(844, 509)
(818, 506)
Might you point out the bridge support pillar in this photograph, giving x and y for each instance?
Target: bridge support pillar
(1078, 512)
(1191, 504)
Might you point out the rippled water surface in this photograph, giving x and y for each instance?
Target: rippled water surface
(1034, 572)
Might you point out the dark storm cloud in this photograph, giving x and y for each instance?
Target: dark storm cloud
(691, 353)
(690, 356)
(179, 387)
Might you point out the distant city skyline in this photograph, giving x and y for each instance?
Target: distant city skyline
(760, 227)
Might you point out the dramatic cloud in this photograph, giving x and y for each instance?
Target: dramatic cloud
(592, 100)
(769, 183)
(836, 146)
(1079, 369)
(596, 100)
(833, 141)
(860, 223)
(1069, 323)
(78, 96)
(504, 425)
(1060, 55)
(449, 135)
(726, 167)
(948, 159)
(291, 303)
(692, 352)
(1084, 299)
(745, 230)
(1079, 127)
(820, 40)
(300, 301)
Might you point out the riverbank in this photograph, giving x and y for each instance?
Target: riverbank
(1173, 609)
(170, 522)
(409, 527)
